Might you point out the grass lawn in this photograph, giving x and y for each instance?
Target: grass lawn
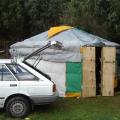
(99, 108)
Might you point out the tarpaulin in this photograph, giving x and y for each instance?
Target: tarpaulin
(72, 39)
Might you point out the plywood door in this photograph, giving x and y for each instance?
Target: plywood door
(89, 80)
(108, 70)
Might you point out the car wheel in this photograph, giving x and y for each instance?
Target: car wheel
(18, 107)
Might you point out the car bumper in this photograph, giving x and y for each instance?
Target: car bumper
(40, 100)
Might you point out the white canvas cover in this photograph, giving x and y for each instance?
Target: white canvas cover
(71, 39)
(57, 72)
(53, 60)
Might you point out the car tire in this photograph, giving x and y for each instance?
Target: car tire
(18, 107)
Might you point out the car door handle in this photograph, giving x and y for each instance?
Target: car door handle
(13, 85)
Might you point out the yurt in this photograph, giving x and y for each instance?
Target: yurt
(83, 65)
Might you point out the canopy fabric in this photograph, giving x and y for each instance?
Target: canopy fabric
(66, 62)
(72, 39)
(55, 30)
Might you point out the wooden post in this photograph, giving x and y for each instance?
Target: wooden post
(89, 80)
(108, 70)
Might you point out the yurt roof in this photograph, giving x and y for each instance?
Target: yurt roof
(67, 35)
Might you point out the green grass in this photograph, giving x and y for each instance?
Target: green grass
(99, 108)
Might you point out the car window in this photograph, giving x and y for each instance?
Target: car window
(21, 73)
(5, 74)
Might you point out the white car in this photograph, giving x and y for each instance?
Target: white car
(21, 87)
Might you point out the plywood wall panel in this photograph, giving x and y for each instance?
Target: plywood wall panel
(108, 71)
(89, 81)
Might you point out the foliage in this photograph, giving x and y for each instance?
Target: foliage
(20, 19)
(10, 19)
(100, 17)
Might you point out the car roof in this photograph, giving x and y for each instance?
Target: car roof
(3, 61)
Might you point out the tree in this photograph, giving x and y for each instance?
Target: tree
(101, 17)
(10, 19)
(20, 19)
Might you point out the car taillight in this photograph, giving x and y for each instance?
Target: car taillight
(54, 87)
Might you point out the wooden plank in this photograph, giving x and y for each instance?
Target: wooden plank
(108, 70)
(89, 81)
